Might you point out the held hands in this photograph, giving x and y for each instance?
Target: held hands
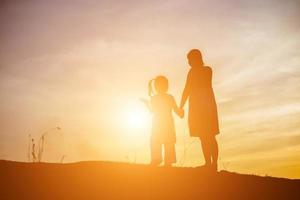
(181, 112)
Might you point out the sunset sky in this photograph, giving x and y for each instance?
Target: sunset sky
(83, 65)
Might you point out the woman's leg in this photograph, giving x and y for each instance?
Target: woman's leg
(210, 150)
(214, 152)
(206, 151)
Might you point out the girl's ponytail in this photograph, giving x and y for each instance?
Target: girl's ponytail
(150, 88)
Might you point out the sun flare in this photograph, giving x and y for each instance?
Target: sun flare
(137, 117)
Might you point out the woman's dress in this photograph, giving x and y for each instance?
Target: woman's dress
(203, 116)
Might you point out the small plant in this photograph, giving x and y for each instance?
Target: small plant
(42, 143)
(33, 151)
(62, 158)
(31, 154)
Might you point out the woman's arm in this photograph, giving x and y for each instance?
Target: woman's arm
(186, 91)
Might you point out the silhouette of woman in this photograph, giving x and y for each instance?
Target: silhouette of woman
(203, 116)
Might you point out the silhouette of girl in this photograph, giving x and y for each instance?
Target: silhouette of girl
(203, 116)
(163, 130)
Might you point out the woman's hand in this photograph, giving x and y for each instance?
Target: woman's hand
(181, 112)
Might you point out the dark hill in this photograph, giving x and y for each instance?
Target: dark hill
(108, 180)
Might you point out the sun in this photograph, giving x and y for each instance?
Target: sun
(135, 120)
(137, 117)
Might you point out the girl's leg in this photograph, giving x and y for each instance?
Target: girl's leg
(170, 153)
(156, 153)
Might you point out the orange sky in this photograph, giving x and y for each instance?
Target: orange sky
(83, 65)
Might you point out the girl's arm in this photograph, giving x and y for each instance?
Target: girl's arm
(186, 91)
(177, 110)
(147, 103)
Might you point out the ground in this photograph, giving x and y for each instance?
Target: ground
(109, 180)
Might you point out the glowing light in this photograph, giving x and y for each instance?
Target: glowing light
(137, 117)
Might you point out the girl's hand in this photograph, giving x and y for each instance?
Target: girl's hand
(145, 101)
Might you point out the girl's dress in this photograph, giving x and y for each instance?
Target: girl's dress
(163, 129)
